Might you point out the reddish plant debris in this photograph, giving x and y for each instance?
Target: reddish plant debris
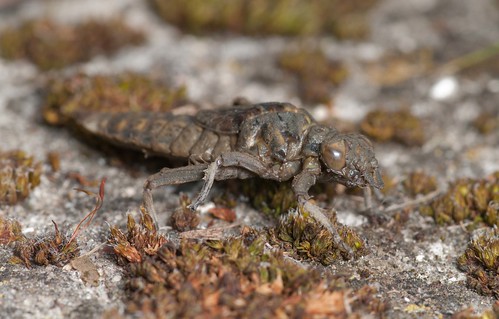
(19, 174)
(223, 213)
(53, 46)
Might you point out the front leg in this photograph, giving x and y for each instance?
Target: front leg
(231, 160)
(301, 185)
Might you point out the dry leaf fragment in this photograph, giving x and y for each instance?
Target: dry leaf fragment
(87, 269)
(223, 213)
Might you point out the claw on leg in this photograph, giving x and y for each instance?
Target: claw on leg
(319, 215)
(209, 178)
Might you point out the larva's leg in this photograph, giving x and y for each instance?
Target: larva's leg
(169, 176)
(301, 185)
(233, 161)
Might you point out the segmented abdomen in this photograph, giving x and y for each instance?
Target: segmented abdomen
(163, 134)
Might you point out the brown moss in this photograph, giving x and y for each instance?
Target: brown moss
(310, 240)
(467, 199)
(469, 313)
(54, 249)
(64, 98)
(57, 248)
(10, 231)
(486, 123)
(285, 17)
(397, 68)
(183, 218)
(141, 239)
(481, 263)
(317, 75)
(419, 183)
(52, 46)
(236, 278)
(19, 174)
(399, 126)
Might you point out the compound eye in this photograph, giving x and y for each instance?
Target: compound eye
(334, 155)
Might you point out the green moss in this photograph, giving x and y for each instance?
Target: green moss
(311, 240)
(317, 75)
(64, 98)
(271, 197)
(467, 199)
(53, 46)
(419, 183)
(481, 263)
(399, 126)
(284, 17)
(19, 174)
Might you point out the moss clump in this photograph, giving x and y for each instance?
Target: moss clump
(53, 46)
(312, 241)
(419, 183)
(399, 126)
(397, 68)
(125, 92)
(55, 249)
(469, 313)
(10, 231)
(486, 123)
(19, 174)
(481, 263)
(317, 75)
(235, 278)
(284, 17)
(271, 197)
(183, 218)
(141, 239)
(467, 199)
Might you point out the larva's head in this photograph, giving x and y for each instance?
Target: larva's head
(350, 160)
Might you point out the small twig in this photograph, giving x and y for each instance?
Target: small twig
(91, 252)
(209, 233)
(470, 59)
(411, 203)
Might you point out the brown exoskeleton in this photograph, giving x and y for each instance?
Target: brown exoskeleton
(273, 140)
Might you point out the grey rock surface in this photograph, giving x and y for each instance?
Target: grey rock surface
(407, 271)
